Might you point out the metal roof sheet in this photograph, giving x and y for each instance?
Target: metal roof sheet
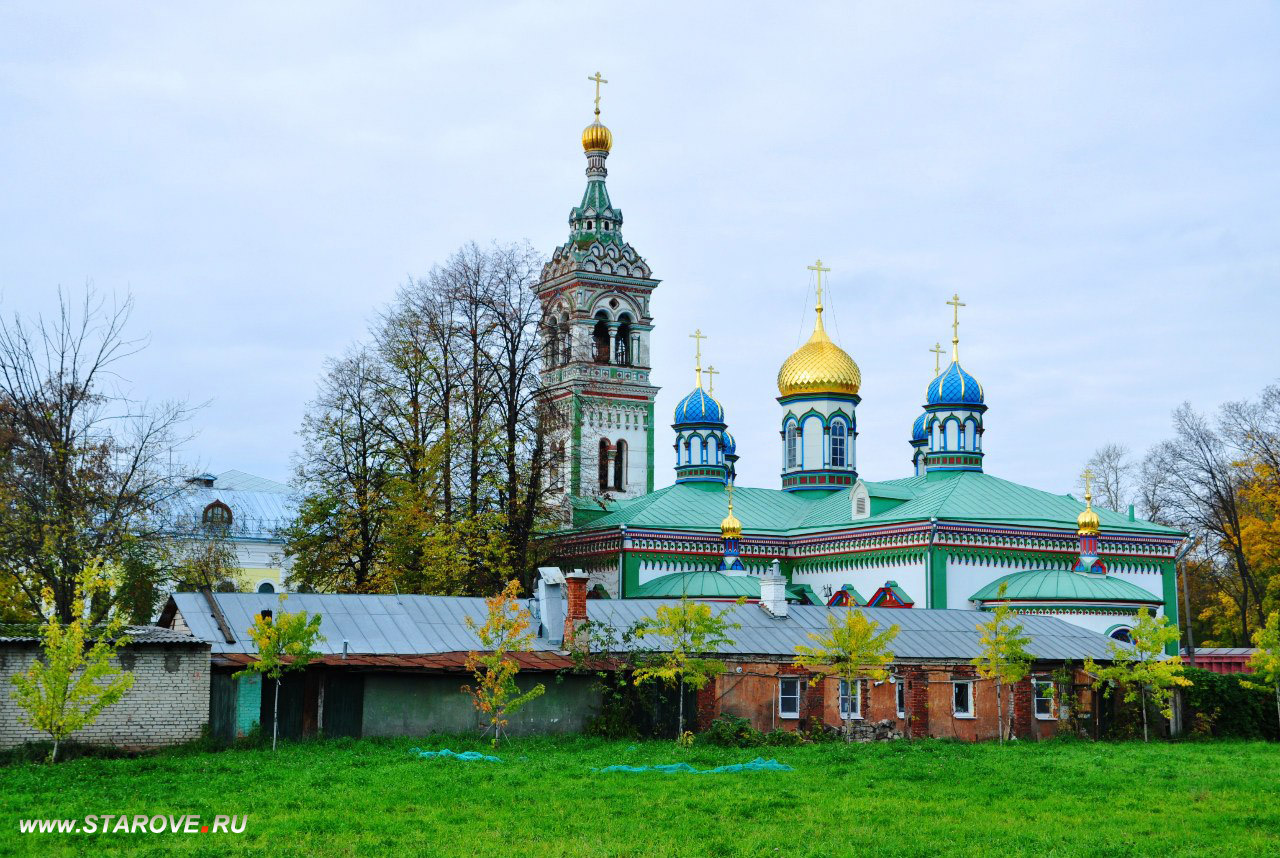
(371, 624)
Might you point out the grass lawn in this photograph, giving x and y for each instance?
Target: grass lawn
(371, 797)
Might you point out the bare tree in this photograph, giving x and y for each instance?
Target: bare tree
(342, 475)
(83, 467)
(1196, 485)
(1113, 473)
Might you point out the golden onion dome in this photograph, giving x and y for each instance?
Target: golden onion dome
(730, 527)
(819, 366)
(1088, 524)
(597, 138)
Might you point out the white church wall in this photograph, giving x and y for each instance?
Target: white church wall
(1152, 582)
(813, 457)
(866, 580)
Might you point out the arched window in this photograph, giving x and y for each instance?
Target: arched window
(1123, 634)
(216, 514)
(266, 587)
(604, 465)
(791, 445)
(566, 341)
(952, 428)
(622, 344)
(620, 466)
(555, 467)
(972, 433)
(837, 444)
(600, 337)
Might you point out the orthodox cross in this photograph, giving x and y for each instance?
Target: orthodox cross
(955, 304)
(937, 359)
(712, 372)
(729, 488)
(1088, 491)
(817, 266)
(697, 337)
(599, 80)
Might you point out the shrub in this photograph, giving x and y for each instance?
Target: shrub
(732, 731)
(1218, 705)
(784, 738)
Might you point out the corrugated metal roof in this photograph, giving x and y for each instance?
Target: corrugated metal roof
(371, 624)
(932, 634)
(138, 636)
(424, 625)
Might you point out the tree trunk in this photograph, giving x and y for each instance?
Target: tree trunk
(680, 721)
(275, 716)
(999, 710)
(53, 757)
(1145, 737)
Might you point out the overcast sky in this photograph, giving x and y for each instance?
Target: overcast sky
(1099, 182)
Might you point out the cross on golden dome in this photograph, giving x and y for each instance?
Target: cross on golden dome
(598, 80)
(1088, 522)
(817, 266)
(955, 305)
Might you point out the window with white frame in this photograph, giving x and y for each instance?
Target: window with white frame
(791, 445)
(850, 699)
(1044, 698)
(962, 700)
(837, 444)
(789, 698)
(902, 697)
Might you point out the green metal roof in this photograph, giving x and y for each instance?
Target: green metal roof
(699, 585)
(1057, 585)
(953, 496)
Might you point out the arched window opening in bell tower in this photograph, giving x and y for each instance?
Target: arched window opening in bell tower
(620, 466)
(604, 465)
(622, 347)
(600, 337)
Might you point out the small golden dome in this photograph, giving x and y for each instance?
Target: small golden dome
(819, 366)
(730, 527)
(596, 137)
(1088, 522)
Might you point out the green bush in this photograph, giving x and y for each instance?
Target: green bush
(731, 731)
(1218, 705)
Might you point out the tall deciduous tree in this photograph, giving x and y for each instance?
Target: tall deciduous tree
(852, 648)
(1004, 656)
(83, 467)
(422, 465)
(69, 686)
(1265, 663)
(504, 631)
(1142, 669)
(1113, 472)
(286, 642)
(689, 632)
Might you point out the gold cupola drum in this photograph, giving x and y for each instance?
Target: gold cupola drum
(818, 390)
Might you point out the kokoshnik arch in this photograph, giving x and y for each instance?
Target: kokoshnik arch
(946, 535)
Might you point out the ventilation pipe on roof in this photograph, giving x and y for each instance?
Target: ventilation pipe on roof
(550, 596)
(773, 592)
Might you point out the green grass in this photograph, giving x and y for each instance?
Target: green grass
(372, 797)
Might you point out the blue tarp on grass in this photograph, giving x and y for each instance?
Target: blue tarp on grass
(469, 756)
(759, 764)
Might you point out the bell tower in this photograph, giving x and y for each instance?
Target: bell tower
(595, 389)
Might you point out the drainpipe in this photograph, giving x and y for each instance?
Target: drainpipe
(928, 559)
(1187, 542)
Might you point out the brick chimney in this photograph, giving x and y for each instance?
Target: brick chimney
(576, 613)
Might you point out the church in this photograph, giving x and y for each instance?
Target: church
(944, 535)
